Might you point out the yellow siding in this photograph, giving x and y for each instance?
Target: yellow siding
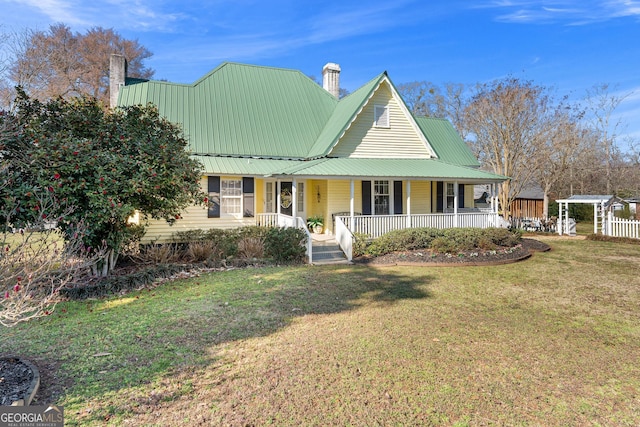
(259, 195)
(339, 198)
(315, 207)
(400, 140)
(420, 197)
(194, 218)
(468, 196)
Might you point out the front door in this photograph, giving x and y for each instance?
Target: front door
(286, 198)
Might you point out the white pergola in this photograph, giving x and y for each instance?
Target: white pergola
(600, 205)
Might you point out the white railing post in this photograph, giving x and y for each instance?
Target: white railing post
(301, 224)
(344, 237)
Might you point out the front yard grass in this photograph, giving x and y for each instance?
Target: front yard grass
(554, 340)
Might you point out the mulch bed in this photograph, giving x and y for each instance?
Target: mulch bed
(15, 379)
(474, 257)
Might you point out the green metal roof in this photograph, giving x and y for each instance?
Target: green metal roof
(347, 168)
(251, 120)
(446, 141)
(247, 166)
(392, 168)
(242, 110)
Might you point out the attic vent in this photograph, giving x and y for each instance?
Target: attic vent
(381, 116)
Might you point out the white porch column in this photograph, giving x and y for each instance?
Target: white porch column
(605, 226)
(352, 198)
(278, 199)
(595, 218)
(559, 224)
(455, 204)
(294, 197)
(408, 204)
(494, 198)
(566, 219)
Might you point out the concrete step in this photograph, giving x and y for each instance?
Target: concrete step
(328, 252)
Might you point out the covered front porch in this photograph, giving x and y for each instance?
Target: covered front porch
(354, 196)
(346, 225)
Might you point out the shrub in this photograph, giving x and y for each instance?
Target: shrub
(203, 251)
(251, 247)
(446, 241)
(443, 245)
(485, 243)
(285, 245)
(227, 240)
(504, 237)
(360, 243)
(188, 236)
(165, 253)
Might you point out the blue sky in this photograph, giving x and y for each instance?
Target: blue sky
(564, 44)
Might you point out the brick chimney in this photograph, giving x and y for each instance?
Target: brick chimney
(117, 76)
(331, 79)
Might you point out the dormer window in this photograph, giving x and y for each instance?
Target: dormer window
(381, 116)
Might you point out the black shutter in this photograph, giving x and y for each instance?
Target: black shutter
(366, 197)
(248, 197)
(397, 197)
(439, 196)
(461, 196)
(214, 196)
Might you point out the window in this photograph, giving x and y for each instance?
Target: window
(381, 198)
(300, 201)
(269, 197)
(231, 197)
(450, 195)
(381, 116)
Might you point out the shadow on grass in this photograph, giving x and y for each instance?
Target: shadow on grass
(149, 335)
(272, 298)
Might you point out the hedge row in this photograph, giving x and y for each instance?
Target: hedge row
(450, 240)
(200, 248)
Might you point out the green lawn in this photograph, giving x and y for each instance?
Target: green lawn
(554, 340)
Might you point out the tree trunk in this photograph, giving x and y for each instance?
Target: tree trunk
(105, 265)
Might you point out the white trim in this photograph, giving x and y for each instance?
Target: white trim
(235, 198)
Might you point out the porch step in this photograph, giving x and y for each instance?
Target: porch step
(328, 252)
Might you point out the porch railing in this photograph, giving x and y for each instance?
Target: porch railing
(376, 226)
(280, 220)
(344, 237)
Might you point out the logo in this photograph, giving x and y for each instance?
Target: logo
(32, 416)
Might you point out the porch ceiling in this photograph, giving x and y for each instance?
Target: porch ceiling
(349, 168)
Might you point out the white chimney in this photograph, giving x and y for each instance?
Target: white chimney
(117, 76)
(331, 79)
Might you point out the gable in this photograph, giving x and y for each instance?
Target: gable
(393, 136)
